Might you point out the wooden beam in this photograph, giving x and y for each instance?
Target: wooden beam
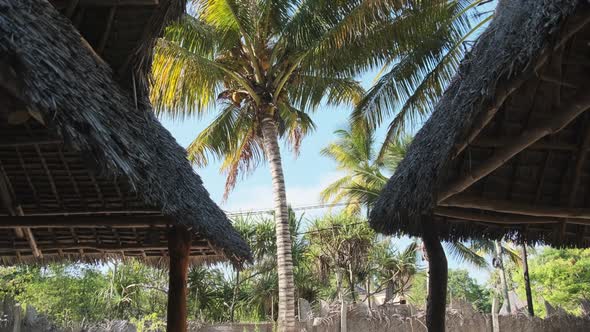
(98, 247)
(494, 218)
(71, 7)
(581, 158)
(107, 30)
(28, 141)
(83, 221)
(468, 202)
(95, 212)
(568, 113)
(179, 240)
(109, 3)
(505, 89)
(500, 142)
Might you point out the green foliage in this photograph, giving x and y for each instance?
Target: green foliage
(460, 286)
(559, 276)
(65, 293)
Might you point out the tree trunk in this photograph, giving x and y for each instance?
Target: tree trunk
(286, 317)
(179, 244)
(342, 327)
(527, 281)
(369, 292)
(351, 283)
(232, 309)
(500, 258)
(437, 279)
(495, 309)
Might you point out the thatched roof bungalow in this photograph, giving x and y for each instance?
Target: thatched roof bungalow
(505, 152)
(86, 170)
(79, 144)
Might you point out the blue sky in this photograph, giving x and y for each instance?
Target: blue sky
(305, 175)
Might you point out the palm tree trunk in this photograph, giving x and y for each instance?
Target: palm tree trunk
(342, 327)
(351, 283)
(500, 259)
(234, 299)
(527, 281)
(437, 278)
(284, 257)
(369, 292)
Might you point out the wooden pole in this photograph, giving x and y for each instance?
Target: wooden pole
(437, 279)
(527, 282)
(179, 244)
(573, 215)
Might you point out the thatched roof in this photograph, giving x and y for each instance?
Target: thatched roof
(504, 152)
(84, 164)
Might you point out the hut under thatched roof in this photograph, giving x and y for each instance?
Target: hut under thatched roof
(86, 170)
(505, 152)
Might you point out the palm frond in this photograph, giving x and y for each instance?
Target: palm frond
(462, 253)
(184, 83)
(309, 91)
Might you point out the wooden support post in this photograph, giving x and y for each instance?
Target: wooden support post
(527, 282)
(437, 279)
(179, 244)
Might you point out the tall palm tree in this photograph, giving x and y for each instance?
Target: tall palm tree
(269, 63)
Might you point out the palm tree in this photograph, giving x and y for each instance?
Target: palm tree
(411, 81)
(354, 154)
(269, 63)
(394, 269)
(340, 243)
(261, 278)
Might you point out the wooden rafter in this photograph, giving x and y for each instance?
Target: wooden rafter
(504, 89)
(503, 206)
(499, 142)
(8, 201)
(567, 114)
(107, 30)
(83, 221)
(495, 218)
(29, 141)
(99, 247)
(95, 212)
(49, 177)
(71, 7)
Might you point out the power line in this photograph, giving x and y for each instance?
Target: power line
(297, 208)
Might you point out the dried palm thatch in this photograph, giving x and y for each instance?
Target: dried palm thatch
(86, 170)
(505, 151)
